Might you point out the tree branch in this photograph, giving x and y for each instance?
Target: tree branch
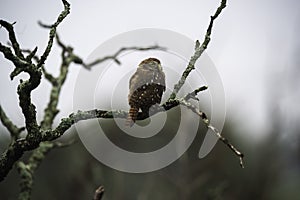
(114, 56)
(33, 138)
(27, 171)
(192, 95)
(37, 135)
(11, 127)
(20, 64)
(12, 154)
(44, 133)
(52, 33)
(51, 110)
(198, 51)
(25, 88)
(206, 121)
(73, 118)
(12, 37)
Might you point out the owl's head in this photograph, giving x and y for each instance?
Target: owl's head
(152, 64)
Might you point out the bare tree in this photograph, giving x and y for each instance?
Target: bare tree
(40, 136)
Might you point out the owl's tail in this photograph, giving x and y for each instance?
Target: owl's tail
(132, 115)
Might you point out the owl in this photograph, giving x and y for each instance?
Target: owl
(146, 87)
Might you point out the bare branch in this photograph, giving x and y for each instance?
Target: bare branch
(115, 56)
(27, 171)
(20, 64)
(12, 128)
(205, 120)
(192, 95)
(73, 118)
(33, 138)
(12, 37)
(52, 33)
(16, 150)
(49, 76)
(51, 110)
(24, 90)
(37, 135)
(198, 51)
(31, 55)
(68, 57)
(226, 141)
(12, 154)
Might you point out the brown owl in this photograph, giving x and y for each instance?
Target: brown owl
(146, 87)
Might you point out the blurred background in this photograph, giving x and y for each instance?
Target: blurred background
(255, 47)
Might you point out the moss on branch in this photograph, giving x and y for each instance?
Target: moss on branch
(11, 127)
(52, 32)
(22, 64)
(12, 37)
(27, 171)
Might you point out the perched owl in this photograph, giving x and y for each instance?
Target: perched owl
(146, 87)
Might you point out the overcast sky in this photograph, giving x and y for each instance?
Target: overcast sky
(251, 41)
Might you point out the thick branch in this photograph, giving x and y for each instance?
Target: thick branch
(25, 88)
(73, 118)
(198, 51)
(17, 148)
(33, 138)
(32, 141)
(13, 154)
(28, 108)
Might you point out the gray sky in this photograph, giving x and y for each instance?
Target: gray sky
(251, 41)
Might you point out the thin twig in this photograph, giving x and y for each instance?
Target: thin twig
(52, 33)
(11, 127)
(30, 52)
(226, 141)
(206, 121)
(192, 95)
(123, 49)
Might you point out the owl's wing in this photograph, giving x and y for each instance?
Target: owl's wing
(139, 78)
(163, 80)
